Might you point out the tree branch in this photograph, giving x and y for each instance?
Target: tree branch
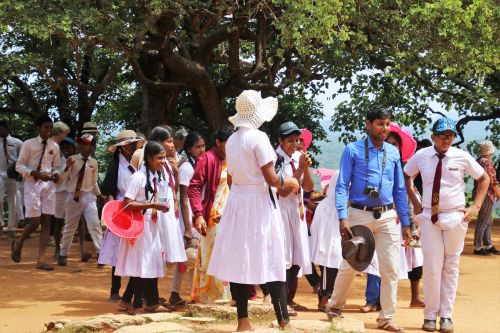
(153, 84)
(25, 89)
(463, 121)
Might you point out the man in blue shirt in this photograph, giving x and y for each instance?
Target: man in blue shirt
(371, 180)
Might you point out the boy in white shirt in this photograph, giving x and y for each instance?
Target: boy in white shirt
(38, 163)
(81, 173)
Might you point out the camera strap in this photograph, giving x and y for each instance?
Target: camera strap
(367, 159)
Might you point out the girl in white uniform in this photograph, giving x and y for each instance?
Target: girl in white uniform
(194, 146)
(142, 259)
(326, 243)
(295, 164)
(249, 245)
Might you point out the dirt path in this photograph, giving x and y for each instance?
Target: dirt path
(29, 297)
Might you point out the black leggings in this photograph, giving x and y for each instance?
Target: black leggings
(328, 276)
(415, 274)
(291, 274)
(134, 291)
(150, 289)
(116, 282)
(278, 292)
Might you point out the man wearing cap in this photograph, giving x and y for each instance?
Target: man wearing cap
(91, 128)
(81, 172)
(482, 234)
(443, 217)
(9, 151)
(371, 178)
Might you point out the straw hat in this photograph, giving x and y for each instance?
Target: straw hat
(486, 147)
(252, 110)
(358, 251)
(89, 127)
(124, 138)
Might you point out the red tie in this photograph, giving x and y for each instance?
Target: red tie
(154, 214)
(301, 205)
(39, 167)
(79, 182)
(436, 185)
(172, 186)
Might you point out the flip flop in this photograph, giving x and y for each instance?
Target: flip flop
(44, 267)
(391, 327)
(15, 255)
(156, 309)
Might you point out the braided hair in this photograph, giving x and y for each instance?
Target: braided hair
(152, 148)
(189, 143)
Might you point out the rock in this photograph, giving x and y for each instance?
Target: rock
(228, 312)
(162, 327)
(160, 317)
(198, 320)
(310, 326)
(348, 325)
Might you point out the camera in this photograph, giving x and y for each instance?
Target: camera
(372, 191)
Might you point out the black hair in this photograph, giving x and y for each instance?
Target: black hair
(44, 118)
(160, 134)
(377, 113)
(283, 137)
(152, 148)
(4, 124)
(396, 137)
(189, 142)
(424, 143)
(224, 133)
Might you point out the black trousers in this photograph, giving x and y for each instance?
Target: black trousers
(116, 282)
(313, 278)
(278, 292)
(150, 290)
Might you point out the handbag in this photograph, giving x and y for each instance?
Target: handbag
(12, 173)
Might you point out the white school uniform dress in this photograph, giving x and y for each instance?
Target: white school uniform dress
(144, 258)
(296, 234)
(249, 246)
(443, 241)
(9, 151)
(111, 243)
(39, 196)
(170, 229)
(325, 242)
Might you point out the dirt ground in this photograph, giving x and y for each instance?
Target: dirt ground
(29, 297)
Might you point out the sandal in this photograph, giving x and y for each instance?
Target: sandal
(135, 311)
(44, 267)
(391, 327)
(15, 255)
(322, 308)
(333, 313)
(156, 309)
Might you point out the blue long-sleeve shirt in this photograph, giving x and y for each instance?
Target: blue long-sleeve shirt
(353, 174)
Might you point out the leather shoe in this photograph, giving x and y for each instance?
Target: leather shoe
(445, 325)
(62, 261)
(429, 325)
(482, 252)
(493, 250)
(369, 308)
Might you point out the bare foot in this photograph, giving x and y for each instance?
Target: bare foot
(288, 327)
(266, 300)
(244, 325)
(417, 304)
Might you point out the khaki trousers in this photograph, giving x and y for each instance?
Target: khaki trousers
(387, 243)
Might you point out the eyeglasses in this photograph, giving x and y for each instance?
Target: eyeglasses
(443, 136)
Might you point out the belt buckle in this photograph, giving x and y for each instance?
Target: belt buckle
(377, 212)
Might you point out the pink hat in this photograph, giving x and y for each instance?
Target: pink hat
(122, 222)
(307, 137)
(409, 145)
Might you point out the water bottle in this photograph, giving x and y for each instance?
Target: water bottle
(162, 193)
(227, 291)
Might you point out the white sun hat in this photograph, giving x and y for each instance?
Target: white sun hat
(252, 110)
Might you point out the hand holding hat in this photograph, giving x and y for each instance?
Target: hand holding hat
(358, 251)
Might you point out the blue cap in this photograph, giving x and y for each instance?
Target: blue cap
(445, 124)
(68, 140)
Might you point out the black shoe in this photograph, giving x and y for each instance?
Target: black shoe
(62, 261)
(429, 325)
(445, 325)
(114, 297)
(482, 252)
(493, 250)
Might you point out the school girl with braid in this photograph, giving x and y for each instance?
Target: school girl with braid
(142, 259)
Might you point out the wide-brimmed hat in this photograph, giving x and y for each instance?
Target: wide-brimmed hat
(408, 144)
(89, 127)
(358, 251)
(122, 222)
(306, 137)
(252, 110)
(445, 124)
(124, 138)
(487, 147)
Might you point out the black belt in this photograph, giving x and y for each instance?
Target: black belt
(379, 209)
